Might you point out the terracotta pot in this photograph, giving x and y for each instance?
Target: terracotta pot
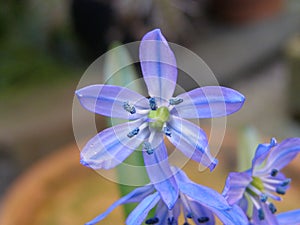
(243, 11)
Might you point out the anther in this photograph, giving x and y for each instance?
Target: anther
(272, 208)
(167, 131)
(129, 108)
(274, 172)
(175, 101)
(189, 215)
(261, 214)
(171, 221)
(133, 132)
(152, 103)
(186, 223)
(147, 147)
(263, 197)
(280, 190)
(152, 220)
(203, 219)
(286, 182)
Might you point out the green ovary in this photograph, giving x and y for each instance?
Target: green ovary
(160, 116)
(258, 184)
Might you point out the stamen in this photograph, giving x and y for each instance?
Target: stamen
(152, 103)
(261, 214)
(171, 221)
(175, 101)
(203, 219)
(152, 220)
(263, 197)
(167, 131)
(129, 108)
(148, 148)
(274, 172)
(189, 215)
(133, 132)
(272, 208)
(286, 182)
(280, 190)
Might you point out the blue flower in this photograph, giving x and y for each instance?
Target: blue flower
(257, 186)
(290, 218)
(152, 118)
(198, 204)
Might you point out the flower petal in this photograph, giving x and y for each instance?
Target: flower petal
(232, 216)
(262, 152)
(136, 195)
(109, 100)
(138, 215)
(283, 153)
(160, 174)
(269, 217)
(112, 146)
(208, 102)
(290, 217)
(204, 195)
(235, 186)
(191, 140)
(158, 65)
(200, 212)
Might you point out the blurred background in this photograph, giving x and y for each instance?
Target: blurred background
(45, 47)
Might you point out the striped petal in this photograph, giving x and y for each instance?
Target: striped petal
(139, 214)
(158, 65)
(191, 140)
(112, 146)
(136, 195)
(160, 174)
(235, 186)
(208, 102)
(111, 101)
(290, 217)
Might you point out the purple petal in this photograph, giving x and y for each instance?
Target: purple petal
(262, 152)
(112, 146)
(136, 195)
(199, 211)
(232, 216)
(290, 218)
(269, 217)
(235, 186)
(191, 140)
(160, 174)
(158, 65)
(204, 195)
(283, 153)
(109, 100)
(138, 215)
(208, 102)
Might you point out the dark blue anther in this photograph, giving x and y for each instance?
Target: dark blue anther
(274, 172)
(203, 219)
(272, 208)
(152, 220)
(129, 108)
(261, 214)
(172, 221)
(186, 223)
(280, 190)
(175, 101)
(263, 198)
(152, 103)
(189, 215)
(286, 182)
(148, 148)
(133, 132)
(167, 131)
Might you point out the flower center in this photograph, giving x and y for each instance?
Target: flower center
(158, 117)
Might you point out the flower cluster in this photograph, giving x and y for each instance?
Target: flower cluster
(160, 115)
